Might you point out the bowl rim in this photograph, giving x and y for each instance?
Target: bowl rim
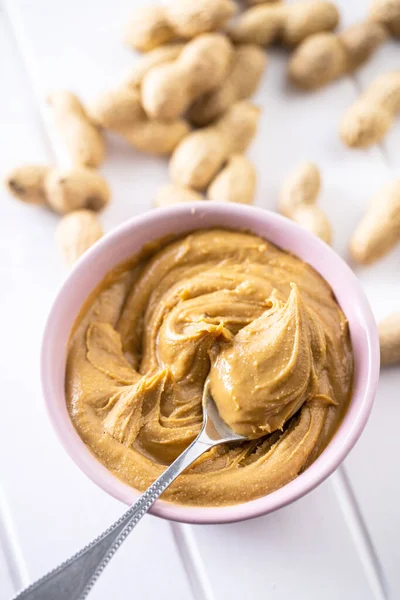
(366, 356)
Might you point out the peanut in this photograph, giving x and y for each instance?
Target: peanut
(76, 232)
(158, 56)
(298, 199)
(155, 25)
(386, 12)
(120, 111)
(73, 189)
(313, 219)
(27, 183)
(368, 120)
(62, 190)
(361, 41)
(236, 182)
(83, 141)
(170, 88)
(261, 24)
(149, 28)
(117, 109)
(248, 65)
(198, 157)
(306, 18)
(301, 187)
(287, 24)
(379, 230)
(317, 61)
(170, 194)
(324, 57)
(389, 340)
(156, 137)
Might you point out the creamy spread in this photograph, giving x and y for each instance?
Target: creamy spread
(260, 322)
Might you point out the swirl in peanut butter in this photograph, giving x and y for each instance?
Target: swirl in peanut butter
(265, 327)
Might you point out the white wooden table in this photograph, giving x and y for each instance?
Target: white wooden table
(342, 540)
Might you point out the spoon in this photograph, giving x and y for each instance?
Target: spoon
(73, 579)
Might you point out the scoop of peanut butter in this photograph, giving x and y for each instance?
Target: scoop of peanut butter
(270, 368)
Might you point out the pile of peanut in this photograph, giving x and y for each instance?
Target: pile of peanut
(187, 98)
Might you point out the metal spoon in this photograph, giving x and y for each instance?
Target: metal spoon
(74, 579)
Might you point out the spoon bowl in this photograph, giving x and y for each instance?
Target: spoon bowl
(214, 427)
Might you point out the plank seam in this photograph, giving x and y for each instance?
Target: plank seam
(11, 548)
(358, 530)
(22, 53)
(192, 562)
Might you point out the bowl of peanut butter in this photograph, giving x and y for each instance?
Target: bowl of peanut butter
(269, 313)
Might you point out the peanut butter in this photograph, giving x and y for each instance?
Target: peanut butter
(265, 327)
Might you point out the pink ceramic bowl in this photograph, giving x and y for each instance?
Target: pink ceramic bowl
(128, 239)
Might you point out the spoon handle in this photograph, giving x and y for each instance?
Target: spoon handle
(73, 579)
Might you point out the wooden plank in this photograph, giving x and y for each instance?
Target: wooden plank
(302, 551)
(371, 463)
(52, 508)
